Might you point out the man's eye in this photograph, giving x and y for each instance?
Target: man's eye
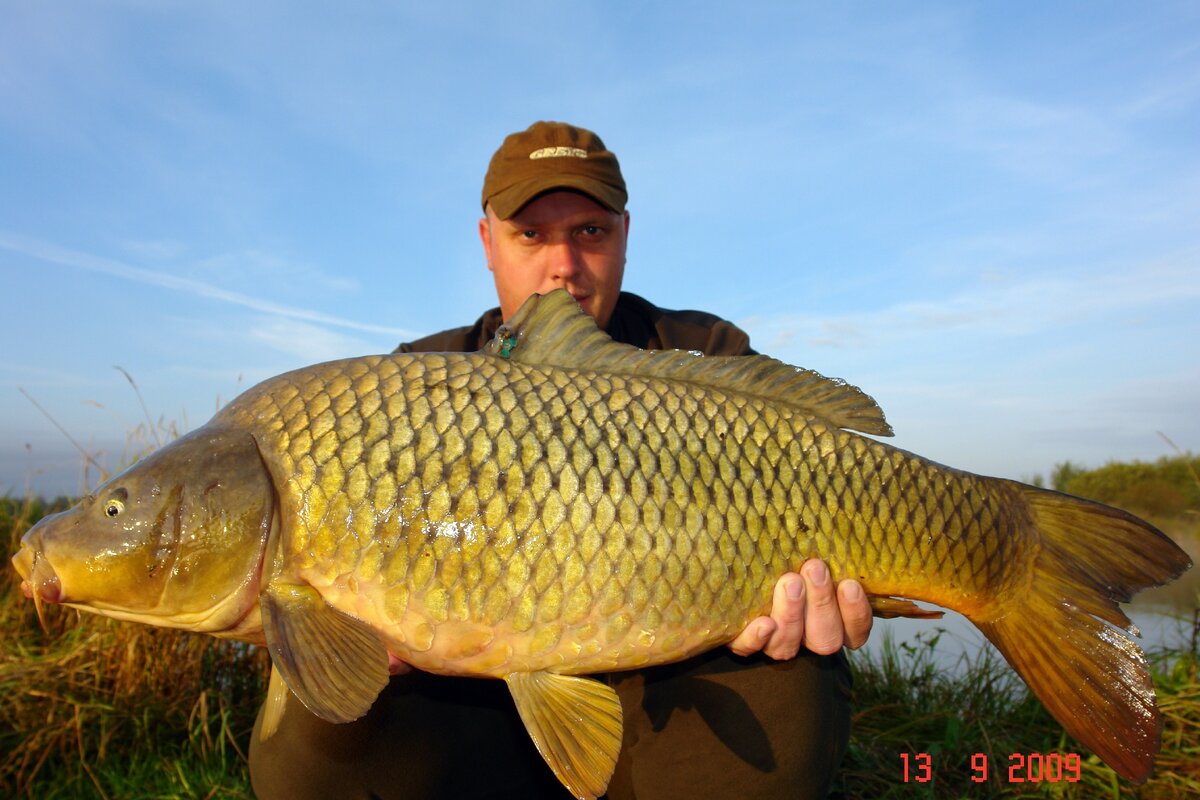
(591, 230)
(529, 234)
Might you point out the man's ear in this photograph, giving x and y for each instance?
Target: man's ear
(485, 238)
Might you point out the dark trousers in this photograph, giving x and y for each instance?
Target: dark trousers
(713, 726)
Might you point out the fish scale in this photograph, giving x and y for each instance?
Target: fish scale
(560, 504)
(620, 517)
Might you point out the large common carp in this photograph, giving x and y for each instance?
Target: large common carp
(560, 504)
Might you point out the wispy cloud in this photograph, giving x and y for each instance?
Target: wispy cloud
(39, 375)
(306, 342)
(53, 254)
(267, 266)
(995, 306)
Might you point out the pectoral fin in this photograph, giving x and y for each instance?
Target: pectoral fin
(335, 664)
(576, 725)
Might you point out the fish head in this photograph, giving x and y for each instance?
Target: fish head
(177, 540)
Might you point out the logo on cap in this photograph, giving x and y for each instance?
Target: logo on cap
(559, 152)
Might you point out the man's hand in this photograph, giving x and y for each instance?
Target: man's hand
(809, 610)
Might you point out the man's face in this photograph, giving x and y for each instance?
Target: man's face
(560, 240)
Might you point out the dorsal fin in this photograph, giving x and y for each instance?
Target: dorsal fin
(552, 330)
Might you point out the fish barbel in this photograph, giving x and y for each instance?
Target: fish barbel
(559, 504)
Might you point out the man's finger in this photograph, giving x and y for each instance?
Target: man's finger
(788, 611)
(823, 631)
(753, 637)
(856, 613)
(396, 666)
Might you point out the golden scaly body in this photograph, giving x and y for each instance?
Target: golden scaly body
(488, 516)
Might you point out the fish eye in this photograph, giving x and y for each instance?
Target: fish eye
(113, 507)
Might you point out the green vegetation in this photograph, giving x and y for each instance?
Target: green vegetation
(95, 708)
(977, 732)
(1166, 489)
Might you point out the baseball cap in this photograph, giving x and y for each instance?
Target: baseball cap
(552, 155)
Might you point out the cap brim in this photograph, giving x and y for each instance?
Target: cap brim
(509, 201)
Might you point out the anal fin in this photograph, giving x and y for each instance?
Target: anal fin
(891, 607)
(576, 725)
(336, 665)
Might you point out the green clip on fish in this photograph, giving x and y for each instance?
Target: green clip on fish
(504, 341)
(534, 514)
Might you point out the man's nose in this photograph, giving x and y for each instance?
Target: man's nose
(565, 261)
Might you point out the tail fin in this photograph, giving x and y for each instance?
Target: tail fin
(1067, 638)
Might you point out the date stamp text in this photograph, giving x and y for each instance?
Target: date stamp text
(1020, 768)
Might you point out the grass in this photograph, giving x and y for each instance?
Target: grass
(981, 713)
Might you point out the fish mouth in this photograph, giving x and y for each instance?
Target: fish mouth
(39, 581)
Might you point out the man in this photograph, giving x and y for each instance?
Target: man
(730, 723)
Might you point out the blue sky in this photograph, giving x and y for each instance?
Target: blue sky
(985, 215)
